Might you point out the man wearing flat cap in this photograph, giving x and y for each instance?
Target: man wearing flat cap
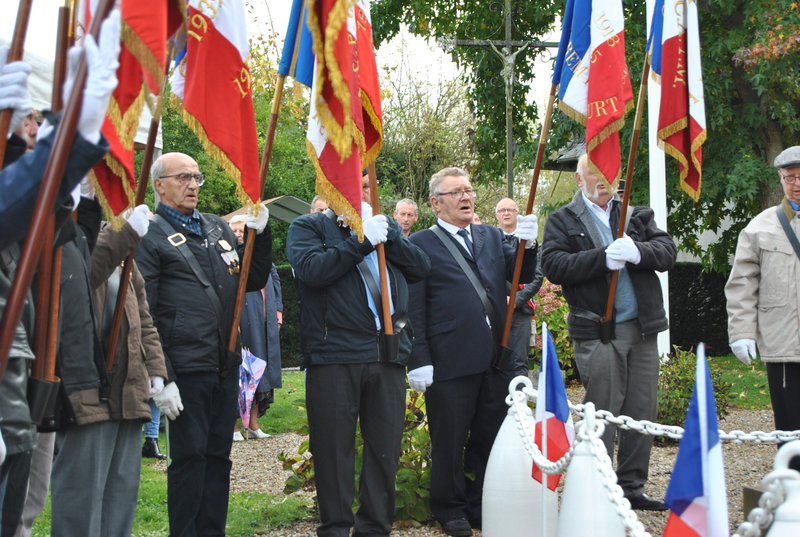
(763, 294)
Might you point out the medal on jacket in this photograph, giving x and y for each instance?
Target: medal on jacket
(230, 257)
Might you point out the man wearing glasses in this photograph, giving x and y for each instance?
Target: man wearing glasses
(457, 313)
(519, 336)
(763, 295)
(191, 262)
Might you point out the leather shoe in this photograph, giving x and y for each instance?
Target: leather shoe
(150, 449)
(643, 502)
(458, 527)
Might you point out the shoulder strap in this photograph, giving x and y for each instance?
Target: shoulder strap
(178, 240)
(468, 272)
(787, 228)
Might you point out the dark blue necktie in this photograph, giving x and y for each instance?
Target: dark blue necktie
(465, 236)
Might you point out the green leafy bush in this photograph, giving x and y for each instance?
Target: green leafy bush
(553, 309)
(675, 385)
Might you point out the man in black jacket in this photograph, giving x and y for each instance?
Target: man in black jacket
(190, 263)
(618, 363)
(351, 377)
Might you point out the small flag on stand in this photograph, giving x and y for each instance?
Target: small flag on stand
(696, 495)
(552, 408)
(594, 84)
(674, 48)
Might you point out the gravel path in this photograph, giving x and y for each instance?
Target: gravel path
(256, 468)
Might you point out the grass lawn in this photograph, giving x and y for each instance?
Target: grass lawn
(750, 388)
(248, 512)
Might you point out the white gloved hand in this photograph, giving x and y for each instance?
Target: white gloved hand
(614, 264)
(744, 349)
(87, 189)
(258, 223)
(2, 449)
(420, 378)
(624, 249)
(14, 89)
(102, 61)
(139, 219)
(527, 229)
(376, 229)
(168, 401)
(156, 385)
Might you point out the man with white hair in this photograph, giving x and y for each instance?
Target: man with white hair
(617, 359)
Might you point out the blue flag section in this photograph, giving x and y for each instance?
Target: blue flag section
(655, 38)
(297, 58)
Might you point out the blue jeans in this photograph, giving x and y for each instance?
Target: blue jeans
(151, 427)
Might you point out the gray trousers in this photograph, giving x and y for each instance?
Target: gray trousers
(622, 377)
(95, 480)
(519, 341)
(38, 482)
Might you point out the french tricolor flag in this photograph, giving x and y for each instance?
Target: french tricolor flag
(594, 87)
(696, 495)
(553, 419)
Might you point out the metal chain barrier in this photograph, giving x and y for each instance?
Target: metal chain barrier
(590, 429)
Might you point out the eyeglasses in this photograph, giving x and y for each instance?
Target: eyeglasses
(504, 211)
(185, 178)
(458, 194)
(790, 179)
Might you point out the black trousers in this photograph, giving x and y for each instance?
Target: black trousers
(784, 391)
(338, 396)
(198, 479)
(464, 415)
(15, 471)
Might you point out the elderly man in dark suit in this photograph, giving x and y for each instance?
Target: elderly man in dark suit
(457, 326)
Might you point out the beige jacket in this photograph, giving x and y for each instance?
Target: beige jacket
(138, 355)
(763, 290)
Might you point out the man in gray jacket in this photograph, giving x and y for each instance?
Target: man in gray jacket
(763, 300)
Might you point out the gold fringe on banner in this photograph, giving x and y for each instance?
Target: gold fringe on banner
(216, 153)
(334, 197)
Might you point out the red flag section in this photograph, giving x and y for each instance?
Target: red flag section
(146, 26)
(345, 129)
(212, 88)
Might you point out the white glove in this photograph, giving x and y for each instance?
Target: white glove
(87, 190)
(614, 264)
(527, 229)
(624, 249)
(744, 349)
(420, 378)
(2, 449)
(156, 385)
(258, 223)
(102, 61)
(14, 89)
(168, 401)
(376, 229)
(139, 219)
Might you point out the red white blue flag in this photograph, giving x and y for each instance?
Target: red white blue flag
(297, 58)
(594, 84)
(696, 495)
(553, 418)
(345, 121)
(212, 87)
(674, 50)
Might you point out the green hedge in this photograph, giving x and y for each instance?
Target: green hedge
(291, 351)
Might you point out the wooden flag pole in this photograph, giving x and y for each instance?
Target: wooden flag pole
(48, 277)
(626, 197)
(54, 171)
(141, 190)
(388, 325)
(251, 236)
(531, 198)
(14, 54)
